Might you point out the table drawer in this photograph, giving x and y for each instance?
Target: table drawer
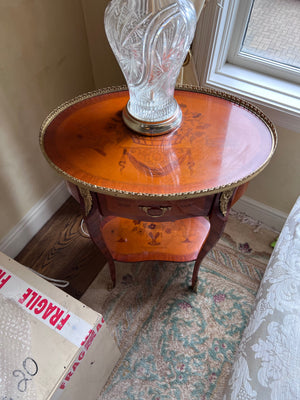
(155, 210)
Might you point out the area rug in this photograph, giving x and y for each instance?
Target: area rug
(177, 344)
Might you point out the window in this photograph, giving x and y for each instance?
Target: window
(270, 38)
(252, 48)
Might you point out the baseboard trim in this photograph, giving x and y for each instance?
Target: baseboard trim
(34, 220)
(261, 212)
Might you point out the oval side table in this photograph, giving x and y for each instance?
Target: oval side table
(163, 197)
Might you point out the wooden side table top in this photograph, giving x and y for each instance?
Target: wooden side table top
(163, 197)
(223, 142)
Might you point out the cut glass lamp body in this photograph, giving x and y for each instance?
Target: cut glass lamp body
(150, 39)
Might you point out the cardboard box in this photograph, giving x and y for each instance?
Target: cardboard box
(53, 346)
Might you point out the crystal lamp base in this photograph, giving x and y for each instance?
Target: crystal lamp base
(153, 128)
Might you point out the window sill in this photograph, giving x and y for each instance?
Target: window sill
(279, 99)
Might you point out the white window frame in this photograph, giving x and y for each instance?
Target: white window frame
(241, 58)
(278, 97)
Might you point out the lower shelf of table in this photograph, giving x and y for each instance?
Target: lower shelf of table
(178, 241)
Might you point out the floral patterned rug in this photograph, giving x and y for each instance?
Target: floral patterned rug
(176, 344)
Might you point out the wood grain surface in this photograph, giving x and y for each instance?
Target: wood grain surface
(61, 251)
(219, 144)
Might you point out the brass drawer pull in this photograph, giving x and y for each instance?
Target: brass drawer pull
(155, 212)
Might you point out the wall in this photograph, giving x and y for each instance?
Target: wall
(44, 60)
(105, 67)
(278, 186)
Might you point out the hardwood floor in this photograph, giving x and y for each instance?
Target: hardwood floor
(61, 251)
